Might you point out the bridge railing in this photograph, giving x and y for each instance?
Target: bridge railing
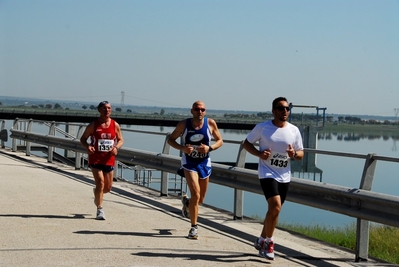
(360, 203)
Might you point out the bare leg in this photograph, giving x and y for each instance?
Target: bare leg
(108, 180)
(203, 183)
(198, 188)
(103, 184)
(271, 219)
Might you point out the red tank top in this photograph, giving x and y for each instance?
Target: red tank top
(103, 140)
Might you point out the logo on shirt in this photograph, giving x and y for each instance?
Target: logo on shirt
(196, 137)
(106, 136)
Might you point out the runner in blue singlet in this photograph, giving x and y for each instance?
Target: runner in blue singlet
(196, 133)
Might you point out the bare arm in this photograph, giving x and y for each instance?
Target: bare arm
(299, 154)
(216, 135)
(119, 139)
(295, 154)
(254, 151)
(83, 139)
(177, 132)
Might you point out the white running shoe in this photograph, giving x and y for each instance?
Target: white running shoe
(267, 250)
(193, 234)
(100, 214)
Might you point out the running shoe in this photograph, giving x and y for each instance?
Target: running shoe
(257, 245)
(267, 250)
(193, 234)
(100, 214)
(185, 210)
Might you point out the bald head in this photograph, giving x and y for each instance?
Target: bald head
(198, 103)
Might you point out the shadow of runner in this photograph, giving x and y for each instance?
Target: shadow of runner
(161, 233)
(47, 216)
(223, 257)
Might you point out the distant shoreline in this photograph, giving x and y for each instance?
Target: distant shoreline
(9, 101)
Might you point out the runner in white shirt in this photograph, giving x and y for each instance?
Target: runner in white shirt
(279, 142)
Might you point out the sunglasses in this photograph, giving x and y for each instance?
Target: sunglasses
(282, 108)
(200, 109)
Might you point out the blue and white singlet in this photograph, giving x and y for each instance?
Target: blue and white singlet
(195, 138)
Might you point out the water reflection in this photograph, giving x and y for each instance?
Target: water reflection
(350, 136)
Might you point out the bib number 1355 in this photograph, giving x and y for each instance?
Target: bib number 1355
(105, 145)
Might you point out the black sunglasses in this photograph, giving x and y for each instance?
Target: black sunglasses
(200, 109)
(281, 108)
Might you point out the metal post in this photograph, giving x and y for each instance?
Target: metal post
(116, 171)
(14, 140)
(363, 226)
(165, 175)
(78, 157)
(70, 130)
(3, 134)
(239, 194)
(50, 148)
(29, 144)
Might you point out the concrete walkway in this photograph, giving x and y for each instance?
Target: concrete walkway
(47, 219)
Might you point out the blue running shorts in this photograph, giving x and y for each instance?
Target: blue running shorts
(202, 170)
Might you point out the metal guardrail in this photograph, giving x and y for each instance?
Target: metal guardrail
(360, 203)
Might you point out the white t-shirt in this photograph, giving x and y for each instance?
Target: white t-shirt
(278, 165)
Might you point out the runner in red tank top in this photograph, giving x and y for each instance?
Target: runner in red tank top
(105, 141)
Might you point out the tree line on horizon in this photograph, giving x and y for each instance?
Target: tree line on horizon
(248, 115)
(312, 117)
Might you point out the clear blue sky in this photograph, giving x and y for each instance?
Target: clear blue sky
(240, 55)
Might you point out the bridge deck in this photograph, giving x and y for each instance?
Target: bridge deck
(47, 219)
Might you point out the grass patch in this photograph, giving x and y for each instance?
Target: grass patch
(383, 243)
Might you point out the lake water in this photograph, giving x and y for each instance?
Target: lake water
(336, 170)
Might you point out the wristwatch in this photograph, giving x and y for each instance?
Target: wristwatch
(295, 154)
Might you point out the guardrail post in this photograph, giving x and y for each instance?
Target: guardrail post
(363, 226)
(165, 175)
(70, 130)
(14, 140)
(368, 172)
(29, 144)
(78, 158)
(239, 194)
(116, 170)
(3, 131)
(50, 149)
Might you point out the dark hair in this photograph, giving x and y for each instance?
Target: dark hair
(278, 99)
(102, 103)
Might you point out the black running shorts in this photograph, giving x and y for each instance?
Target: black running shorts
(273, 188)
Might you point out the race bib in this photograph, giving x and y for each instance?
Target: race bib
(197, 155)
(105, 145)
(278, 159)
